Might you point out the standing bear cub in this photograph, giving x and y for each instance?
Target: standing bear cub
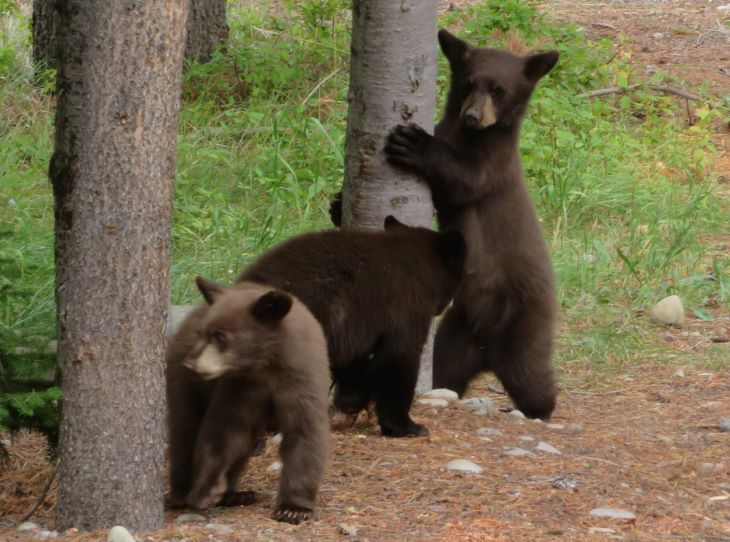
(250, 359)
(375, 294)
(502, 318)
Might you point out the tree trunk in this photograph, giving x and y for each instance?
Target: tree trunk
(392, 81)
(112, 172)
(207, 28)
(44, 29)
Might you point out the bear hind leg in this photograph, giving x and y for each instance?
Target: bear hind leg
(456, 356)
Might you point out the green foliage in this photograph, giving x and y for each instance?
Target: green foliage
(621, 183)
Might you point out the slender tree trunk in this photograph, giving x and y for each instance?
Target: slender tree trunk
(207, 28)
(44, 30)
(392, 81)
(112, 171)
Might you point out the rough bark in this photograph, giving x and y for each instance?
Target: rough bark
(112, 171)
(392, 81)
(207, 28)
(44, 29)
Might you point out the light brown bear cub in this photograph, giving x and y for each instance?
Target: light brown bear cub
(250, 359)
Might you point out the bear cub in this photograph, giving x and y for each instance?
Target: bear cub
(251, 358)
(375, 294)
(503, 316)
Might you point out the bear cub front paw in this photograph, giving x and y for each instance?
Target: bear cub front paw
(409, 147)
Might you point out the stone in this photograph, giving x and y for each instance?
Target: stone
(274, 467)
(517, 414)
(120, 534)
(476, 403)
(188, 518)
(554, 426)
(45, 534)
(463, 465)
(657, 35)
(442, 393)
(434, 402)
(669, 312)
(491, 412)
(488, 432)
(526, 438)
(27, 526)
(219, 528)
(517, 452)
(348, 530)
(563, 482)
(724, 426)
(546, 448)
(679, 373)
(613, 513)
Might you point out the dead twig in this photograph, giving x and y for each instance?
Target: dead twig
(719, 30)
(43, 495)
(623, 90)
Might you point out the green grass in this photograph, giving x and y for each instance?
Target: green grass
(622, 184)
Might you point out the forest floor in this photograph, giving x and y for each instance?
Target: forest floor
(641, 437)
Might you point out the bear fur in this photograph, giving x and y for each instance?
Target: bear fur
(375, 294)
(250, 359)
(503, 316)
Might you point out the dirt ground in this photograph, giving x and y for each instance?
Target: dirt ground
(643, 438)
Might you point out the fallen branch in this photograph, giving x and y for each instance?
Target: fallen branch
(623, 90)
(43, 496)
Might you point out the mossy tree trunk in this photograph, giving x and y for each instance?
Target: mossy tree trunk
(207, 28)
(119, 74)
(392, 81)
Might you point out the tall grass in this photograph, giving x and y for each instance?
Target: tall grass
(622, 184)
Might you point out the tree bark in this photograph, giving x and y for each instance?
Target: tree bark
(44, 30)
(392, 81)
(207, 28)
(120, 67)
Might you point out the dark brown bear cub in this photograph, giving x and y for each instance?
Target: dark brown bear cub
(502, 319)
(375, 294)
(250, 359)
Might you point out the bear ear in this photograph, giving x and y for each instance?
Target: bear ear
(210, 290)
(452, 248)
(272, 307)
(537, 66)
(392, 223)
(456, 50)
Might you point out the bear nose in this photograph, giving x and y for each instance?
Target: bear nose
(471, 119)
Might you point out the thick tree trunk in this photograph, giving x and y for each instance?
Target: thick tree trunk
(207, 28)
(392, 81)
(44, 29)
(112, 171)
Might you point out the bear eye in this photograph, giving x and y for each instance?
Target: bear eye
(497, 92)
(468, 85)
(219, 339)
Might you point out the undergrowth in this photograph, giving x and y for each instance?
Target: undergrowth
(622, 183)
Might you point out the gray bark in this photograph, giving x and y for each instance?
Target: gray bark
(392, 81)
(112, 170)
(44, 29)
(207, 28)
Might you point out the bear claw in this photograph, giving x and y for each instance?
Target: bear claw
(291, 514)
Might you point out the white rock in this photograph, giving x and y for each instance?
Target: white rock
(274, 467)
(120, 534)
(434, 402)
(347, 529)
(464, 466)
(219, 528)
(276, 439)
(724, 426)
(517, 414)
(477, 403)
(600, 530)
(526, 438)
(669, 311)
(679, 373)
(554, 426)
(491, 412)
(27, 526)
(517, 452)
(544, 447)
(488, 432)
(189, 518)
(45, 534)
(442, 393)
(612, 513)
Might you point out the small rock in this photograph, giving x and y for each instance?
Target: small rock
(725, 426)
(219, 528)
(526, 438)
(657, 35)
(517, 414)
(575, 427)
(517, 452)
(276, 439)
(537, 420)
(274, 467)
(720, 339)
(348, 530)
(434, 402)
(27, 526)
(679, 373)
(45, 534)
(491, 412)
(600, 530)
(544, 447)
(554, 426)
(669, 311)
(188, 518)
(120, 534)
(613, 513)
(476, 403)
(669, 337)
(488, 432)
(442, 393)
(564, 482)
(463, 465)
